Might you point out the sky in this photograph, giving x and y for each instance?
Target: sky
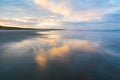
(73, 14)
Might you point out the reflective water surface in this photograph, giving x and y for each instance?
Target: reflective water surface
(59, 55)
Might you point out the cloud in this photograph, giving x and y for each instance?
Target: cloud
(16, 23)
(31, 22)
(54, 6)
(108, 22)
(52, 13)
(79, 10)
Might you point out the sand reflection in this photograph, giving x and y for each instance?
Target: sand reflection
(50, 49)
(64, 50)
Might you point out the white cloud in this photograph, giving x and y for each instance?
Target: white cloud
(77, 10)
(60, 7)
(31, 22)
(52, 13)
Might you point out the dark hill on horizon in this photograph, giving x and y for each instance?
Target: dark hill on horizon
(18, 28)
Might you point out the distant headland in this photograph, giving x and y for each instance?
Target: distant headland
(18, 28)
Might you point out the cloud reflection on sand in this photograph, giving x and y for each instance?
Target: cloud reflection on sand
(53, 48)
(63, 51)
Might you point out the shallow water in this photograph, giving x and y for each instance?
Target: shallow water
(60, 55)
